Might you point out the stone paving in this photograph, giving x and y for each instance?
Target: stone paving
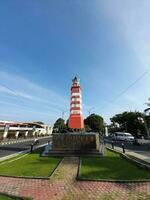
(63, 186)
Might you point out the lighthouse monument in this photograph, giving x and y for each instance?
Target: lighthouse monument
(77, 141)
(76, 115)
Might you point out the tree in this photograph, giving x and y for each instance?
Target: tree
(147, 109)
(94, 122)
(113, 128)
(130, 122)
(87, 128)
(67, 123)
(60, 125)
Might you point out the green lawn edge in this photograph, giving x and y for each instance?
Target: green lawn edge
(112, 167)
(33, 165)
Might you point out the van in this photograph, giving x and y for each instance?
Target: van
(123, 136)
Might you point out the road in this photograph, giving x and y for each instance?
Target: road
(141, 149)
(9, 149)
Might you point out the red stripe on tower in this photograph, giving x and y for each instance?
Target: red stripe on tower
(76, 117)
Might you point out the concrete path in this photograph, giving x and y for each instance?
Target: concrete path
(63, 186)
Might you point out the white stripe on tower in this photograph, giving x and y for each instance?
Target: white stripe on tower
(76, 94)
(76, 102)
(75, 112)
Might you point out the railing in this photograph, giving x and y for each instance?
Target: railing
(22, 129)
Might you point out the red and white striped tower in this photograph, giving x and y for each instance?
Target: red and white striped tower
(76, 117)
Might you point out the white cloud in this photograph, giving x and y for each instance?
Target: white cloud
(30, 97)
(19, 86)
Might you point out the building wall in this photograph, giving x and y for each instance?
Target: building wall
(10, 130)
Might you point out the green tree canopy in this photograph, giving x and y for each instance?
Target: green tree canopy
(60, 125)
(87, 128)
(94, 122)
(130, 122)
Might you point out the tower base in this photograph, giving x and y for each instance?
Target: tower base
(76, 122)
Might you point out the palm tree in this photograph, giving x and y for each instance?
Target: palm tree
(147, 109)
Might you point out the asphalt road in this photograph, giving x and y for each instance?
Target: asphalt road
(141, 149)
(9, 149)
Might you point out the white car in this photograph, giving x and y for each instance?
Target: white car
(123, 136)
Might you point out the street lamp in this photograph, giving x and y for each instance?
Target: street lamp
(125, 123)
(143, 121)
(106, 129)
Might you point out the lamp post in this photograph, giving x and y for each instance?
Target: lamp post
(143, 120)
(124, 126)
(105, 129)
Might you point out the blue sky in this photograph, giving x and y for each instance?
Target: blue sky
(43, 44)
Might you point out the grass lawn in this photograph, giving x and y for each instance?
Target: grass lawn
(111, 166)
(5, 197)
(30, 165)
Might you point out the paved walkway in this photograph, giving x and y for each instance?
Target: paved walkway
(63, 186)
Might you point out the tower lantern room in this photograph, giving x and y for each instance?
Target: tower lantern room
(76, 115)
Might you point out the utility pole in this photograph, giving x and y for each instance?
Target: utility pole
(63, 113)
(125, 126)
(146, 127)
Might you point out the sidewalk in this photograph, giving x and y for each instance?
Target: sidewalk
(135, 154)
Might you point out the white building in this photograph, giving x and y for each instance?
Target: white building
(10, 129)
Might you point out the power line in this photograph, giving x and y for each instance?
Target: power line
(131, 85)
(7, 87)
(89, 111)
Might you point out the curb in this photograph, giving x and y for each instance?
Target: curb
(78, 170)
(55, 169)
(25, 177)
(114, 181)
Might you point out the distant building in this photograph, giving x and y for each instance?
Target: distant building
(10, 129)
